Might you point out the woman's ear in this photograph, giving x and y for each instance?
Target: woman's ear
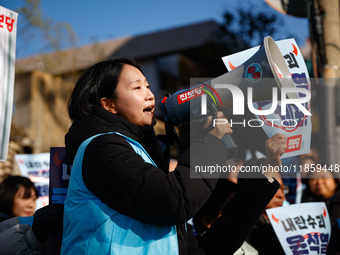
(108, 105)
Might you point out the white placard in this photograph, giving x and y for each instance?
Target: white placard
(8, 31)
(37, 168)
(299, 136)
(302, 228)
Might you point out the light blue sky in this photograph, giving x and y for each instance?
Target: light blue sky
(107, 19)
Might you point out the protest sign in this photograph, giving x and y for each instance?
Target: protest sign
(60, 172)
(302, 228)
(8, 31)
(37, 168)
(297, 126)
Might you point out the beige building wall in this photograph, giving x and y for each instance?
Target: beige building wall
(40, 119)
(48, 107)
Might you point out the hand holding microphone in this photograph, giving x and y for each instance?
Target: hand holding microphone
(222, 130)
(221, 127)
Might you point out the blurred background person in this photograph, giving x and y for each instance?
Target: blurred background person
(17, 197)
(28, 235)
(296, 180)
(321, 186)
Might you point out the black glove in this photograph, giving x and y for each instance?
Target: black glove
(47, 219)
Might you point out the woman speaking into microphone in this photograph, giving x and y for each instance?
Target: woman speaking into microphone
(122, 199)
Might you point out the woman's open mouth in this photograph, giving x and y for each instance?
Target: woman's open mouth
(149, 110)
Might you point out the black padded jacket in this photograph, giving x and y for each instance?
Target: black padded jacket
(121, 179)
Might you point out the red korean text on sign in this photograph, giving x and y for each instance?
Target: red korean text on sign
(293, 143)
(8, 21)
(188, 95)
(251, 69)
(256, 75)
(1, 20)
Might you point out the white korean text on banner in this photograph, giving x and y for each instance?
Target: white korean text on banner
(8, 31)
(37, 168)
(298, 126)
(302, 228)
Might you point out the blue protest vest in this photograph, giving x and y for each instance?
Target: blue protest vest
(107, 231)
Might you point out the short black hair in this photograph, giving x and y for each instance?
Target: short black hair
(8, 189)
(98, 81)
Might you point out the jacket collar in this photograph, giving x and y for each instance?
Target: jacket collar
(103, 121)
